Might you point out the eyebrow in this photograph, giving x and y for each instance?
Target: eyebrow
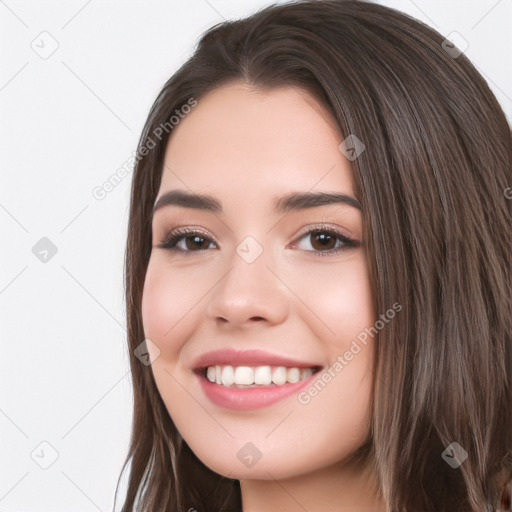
(291, 202)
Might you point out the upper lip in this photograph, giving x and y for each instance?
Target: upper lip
(253, 357)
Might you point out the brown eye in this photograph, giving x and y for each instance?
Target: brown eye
(322, 240)
(326, 241)
(194, 241)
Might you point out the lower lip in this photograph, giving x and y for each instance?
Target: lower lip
(244, 399)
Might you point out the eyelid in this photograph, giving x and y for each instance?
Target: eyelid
(188, 229)
(326, 227)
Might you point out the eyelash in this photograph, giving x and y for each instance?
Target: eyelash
(180, 233)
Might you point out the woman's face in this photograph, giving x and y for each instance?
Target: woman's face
(252, 279)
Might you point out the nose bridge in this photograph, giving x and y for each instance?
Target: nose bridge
(249, 275)
(250, 250)
(249, 289)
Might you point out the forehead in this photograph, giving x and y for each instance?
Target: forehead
(256, 144)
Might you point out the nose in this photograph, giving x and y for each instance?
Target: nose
(248, 293)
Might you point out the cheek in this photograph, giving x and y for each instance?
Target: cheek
(167, 305)
(156, 302)
(352, 292)
(341, 298)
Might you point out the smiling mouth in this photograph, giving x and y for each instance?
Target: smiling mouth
(256, 376)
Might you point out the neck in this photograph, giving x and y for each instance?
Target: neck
(337, 488)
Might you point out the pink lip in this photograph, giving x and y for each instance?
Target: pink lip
(230, 356)
(249, 398)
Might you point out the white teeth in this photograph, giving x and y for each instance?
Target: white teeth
(252, 376)
(263, 375)
(228, 376)
(210, 373)
(279, 375)
(244, 375)
(293, 375)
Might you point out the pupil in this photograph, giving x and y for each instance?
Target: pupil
(324, 239)
(196, 239)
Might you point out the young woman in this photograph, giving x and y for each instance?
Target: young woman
(318, 273)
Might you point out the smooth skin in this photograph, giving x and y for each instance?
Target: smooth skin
(299, 298)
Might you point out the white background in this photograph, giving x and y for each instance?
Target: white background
(68, 122)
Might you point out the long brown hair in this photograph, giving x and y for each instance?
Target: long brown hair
(433, 183)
